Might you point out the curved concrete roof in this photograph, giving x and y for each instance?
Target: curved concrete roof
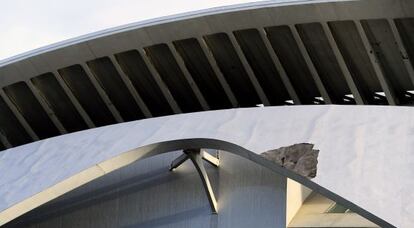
(365, 159)
(300, 52)
(156, 20)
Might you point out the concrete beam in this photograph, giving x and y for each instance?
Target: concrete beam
(19, 116)
(197, 156)
(315, 75)
(131, 88)
(42, 100)
(352, 84)
(178, 161)
(389, 93)
(197, 159)
(217, 71)
(403, 50)
(214, 161)
(74, 101)
(102, 93)
(188, 77)
(164, 89)
(283, 75)
(249, 70)
(5, 141)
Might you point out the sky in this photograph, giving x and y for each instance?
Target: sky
(29, 24)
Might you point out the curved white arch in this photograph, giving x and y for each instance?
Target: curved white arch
(354, 162)
(129, 157)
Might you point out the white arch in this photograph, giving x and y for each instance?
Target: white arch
(137, 154)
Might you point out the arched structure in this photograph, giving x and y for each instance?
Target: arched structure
(343, 134)
(210, 65)
(270, 53)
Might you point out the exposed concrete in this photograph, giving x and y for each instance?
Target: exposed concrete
(300, 158)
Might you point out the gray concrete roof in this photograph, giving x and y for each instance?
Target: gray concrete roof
(269, 53)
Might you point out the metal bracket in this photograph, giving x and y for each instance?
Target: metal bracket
(197, 156)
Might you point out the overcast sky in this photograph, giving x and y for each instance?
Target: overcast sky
(30, 24)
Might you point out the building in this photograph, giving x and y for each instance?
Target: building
(90, 127)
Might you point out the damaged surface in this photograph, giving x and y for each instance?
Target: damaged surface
(300, 158)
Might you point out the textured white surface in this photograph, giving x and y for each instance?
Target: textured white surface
(365, 151)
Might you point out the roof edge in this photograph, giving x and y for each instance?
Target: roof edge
(157, 21)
